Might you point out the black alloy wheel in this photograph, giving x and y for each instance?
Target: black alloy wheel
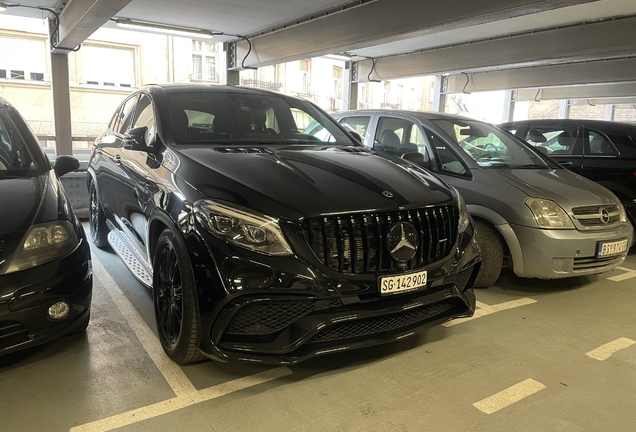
(175, 302)
(97, 218)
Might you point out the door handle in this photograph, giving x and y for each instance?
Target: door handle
(565, 163)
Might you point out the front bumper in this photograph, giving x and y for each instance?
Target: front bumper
(284, 310)
(553, 254)
(25, 297)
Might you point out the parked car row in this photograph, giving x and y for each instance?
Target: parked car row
(271, 232)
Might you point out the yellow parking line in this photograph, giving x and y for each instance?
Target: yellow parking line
(509, 396)
(605, 351)
(484, 309)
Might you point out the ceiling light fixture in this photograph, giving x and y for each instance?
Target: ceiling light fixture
(165, 29)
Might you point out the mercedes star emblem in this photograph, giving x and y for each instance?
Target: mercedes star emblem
(387, 194)
(402, 241)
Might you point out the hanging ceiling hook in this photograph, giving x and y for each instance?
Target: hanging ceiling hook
(467, 82)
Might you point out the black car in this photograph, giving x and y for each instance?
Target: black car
(45, 262)
(602, 151)
(265, 244)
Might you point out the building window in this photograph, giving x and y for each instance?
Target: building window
(303, 67)
(98, 64)
(337, 82)
(204, 56)
(22, 59)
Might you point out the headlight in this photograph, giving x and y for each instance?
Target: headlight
(42, 243)
(549, 214)
(255, 232)
(621, 209)
(463, 211)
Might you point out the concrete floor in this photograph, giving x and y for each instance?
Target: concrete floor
(538, 356)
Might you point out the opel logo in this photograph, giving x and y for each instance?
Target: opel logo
(402, 241)
(605, 217)
(387, 194)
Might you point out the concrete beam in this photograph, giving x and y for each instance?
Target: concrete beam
(606, 101)
(590, 91)
(81, 18)
(597, 72)
(599, 40)
(364, 23)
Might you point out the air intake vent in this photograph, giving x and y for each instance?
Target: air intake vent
(241, 150)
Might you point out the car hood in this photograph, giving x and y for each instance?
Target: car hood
(565, 187)
(27, 201)
(294, 182)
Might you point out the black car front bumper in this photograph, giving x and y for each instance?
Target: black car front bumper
(26, 296)
(287, 310)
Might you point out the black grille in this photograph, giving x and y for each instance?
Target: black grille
(459, 279)
(591, 215)
(369, 326)
(271, 316)
(12, 333)
(356, 243)
(581, 264)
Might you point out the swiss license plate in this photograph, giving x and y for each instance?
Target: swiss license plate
(611, 248)
(402, 283)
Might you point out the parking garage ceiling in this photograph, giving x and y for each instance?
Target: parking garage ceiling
(557, 45)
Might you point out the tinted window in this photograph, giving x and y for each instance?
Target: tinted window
(357, 124)
(123, 124)
(554, 140)
(624, 143)
(489, 146)
(242, 117)
(398, 136)
(600, 144)
(20, 154)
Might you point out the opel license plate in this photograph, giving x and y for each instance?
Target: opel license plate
(402, 283)
(612, 248)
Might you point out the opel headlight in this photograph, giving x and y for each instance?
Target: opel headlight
(621, 209)
(41, 244)
(549, 214)
(463, 211)
(243, 228)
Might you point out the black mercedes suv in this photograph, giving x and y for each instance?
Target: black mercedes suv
(262, 243)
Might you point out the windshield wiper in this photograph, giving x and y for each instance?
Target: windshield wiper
(530, 166)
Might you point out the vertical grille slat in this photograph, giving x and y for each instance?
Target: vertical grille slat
(357, 243)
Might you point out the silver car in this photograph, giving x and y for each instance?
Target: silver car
(541, 219)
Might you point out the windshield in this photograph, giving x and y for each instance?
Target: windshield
(235, 118)
(489, 146)
(20, 154)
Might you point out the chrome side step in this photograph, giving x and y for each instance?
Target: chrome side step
(130, 257)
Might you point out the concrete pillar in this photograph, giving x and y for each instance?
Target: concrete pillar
(564, 108)
(509, 106)
(61, 104)
(439, 95)
(350, 90)
(610, 110)
(229, 77)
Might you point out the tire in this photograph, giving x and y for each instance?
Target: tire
(174, 297)
(491, 246)
(97, 220)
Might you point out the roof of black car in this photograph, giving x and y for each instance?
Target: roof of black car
(599, 124)
(211, 88)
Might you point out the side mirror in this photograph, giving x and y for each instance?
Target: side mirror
(356, 135)
(64, 165)
(135, 139)
(418, 159)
